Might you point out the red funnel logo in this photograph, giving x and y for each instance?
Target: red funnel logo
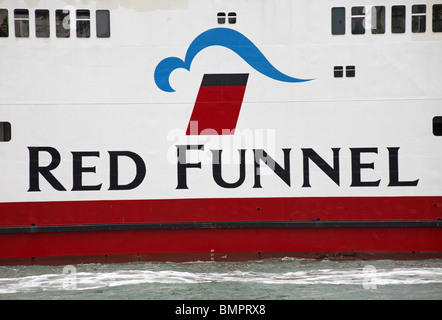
(218, 104)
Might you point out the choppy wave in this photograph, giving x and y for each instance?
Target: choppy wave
(75, 279)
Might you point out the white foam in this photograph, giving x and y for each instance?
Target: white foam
(100, 279)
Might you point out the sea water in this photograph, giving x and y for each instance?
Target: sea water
(274, 279)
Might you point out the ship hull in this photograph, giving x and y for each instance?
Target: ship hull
(221, 229)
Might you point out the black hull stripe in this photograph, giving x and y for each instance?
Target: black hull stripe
(223, 225)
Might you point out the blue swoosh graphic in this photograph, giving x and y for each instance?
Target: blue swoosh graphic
(224, 37)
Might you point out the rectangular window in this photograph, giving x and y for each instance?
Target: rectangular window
(42, 23)
(437, 126)
(378, 20)
(437, 18)
(418, 18)
(350, 71)
(4, 23)
(232, 17)
(338, 71)
(21, 17)
(398, 19)
(358, 20)
(221, 17)
(103, 23)
(5, 131)
(338, 21)
(83, 24)
(62, 23)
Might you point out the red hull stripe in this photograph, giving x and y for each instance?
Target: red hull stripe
(220, 209)
(139, 242)
(234, 226)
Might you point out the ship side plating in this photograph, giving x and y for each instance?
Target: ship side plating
(219, 130)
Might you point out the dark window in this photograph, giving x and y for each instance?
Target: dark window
(338, 71)
(418, 18)
(21, 17)
(419, 8)
(42, 23)
(62, 23)
(437, 18)
(398, 19)
(437, 126)
(358, 20)
(221, 17)
(338, 21)
(4, 24)
(378, 20)
(350, 71)
(83, 24)
(232, 17)
(5, 131)
(103, 23)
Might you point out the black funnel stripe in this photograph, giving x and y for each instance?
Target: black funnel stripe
(225, 80)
